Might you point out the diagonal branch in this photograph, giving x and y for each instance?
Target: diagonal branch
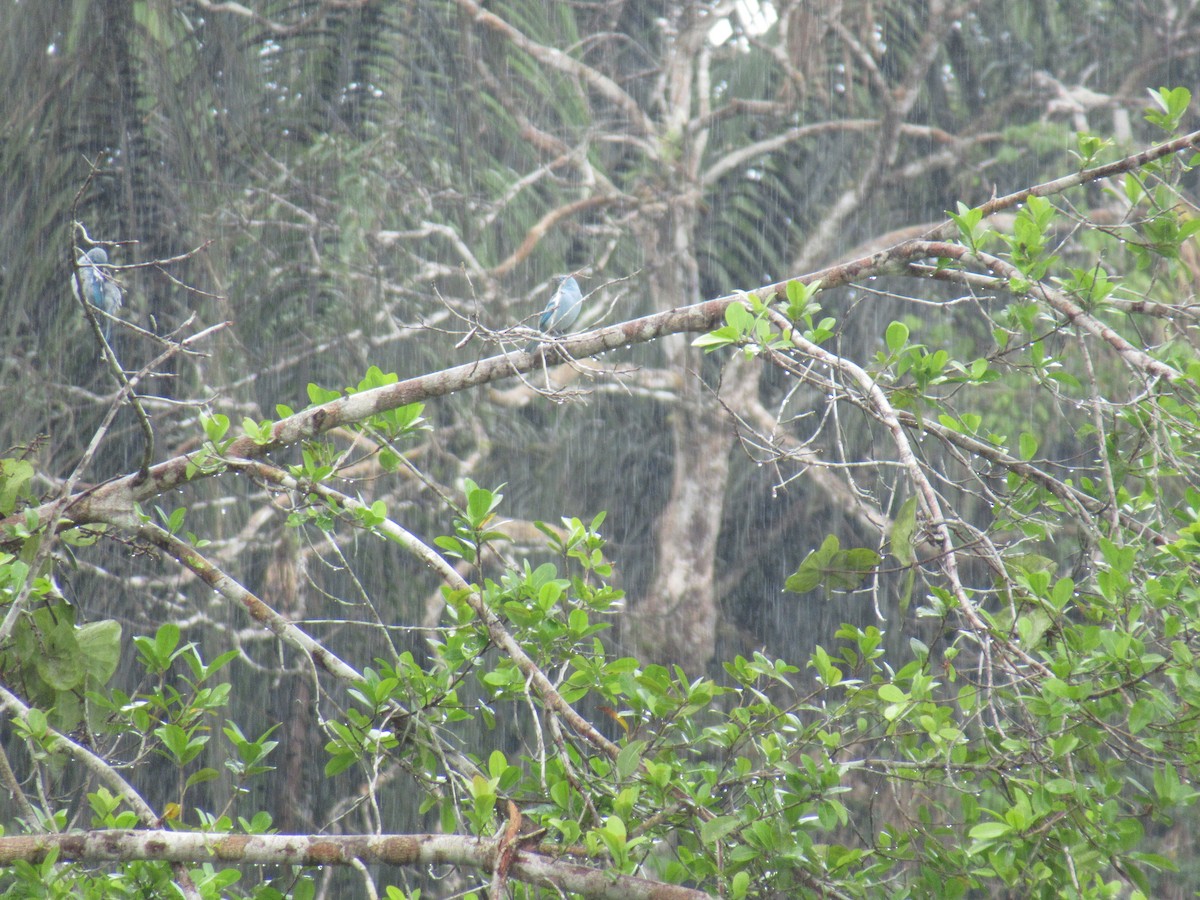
(556, 59)
(539, 229)
(106, 774)
(52, 510)
(499, 635)
(1191, 141)
(101, 768)
(929, 501)
(114, 500)
(1063, 305)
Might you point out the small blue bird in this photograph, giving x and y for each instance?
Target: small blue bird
(564, 306)
(99, 288)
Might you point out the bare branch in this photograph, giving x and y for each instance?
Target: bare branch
(556, 59)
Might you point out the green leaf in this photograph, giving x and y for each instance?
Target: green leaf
(971, 230)
(59, 663)
(890, 693)
(201, 776)
(340, 763)
(259, 432)
(629, 759)
(739, 885)
(715, 829)
(837, 569)
(1090, 146)
(809, 575)
(374, 378)
(318, 395)
(15, 475)
(480, 504)
(215, 426)
(36, 722)
(738, 317)
(1172, 104)
(901, 537)
(990, 831)
(714, 340)
(99, 648)
(1141, 714)
(497, 763)
(801, 301)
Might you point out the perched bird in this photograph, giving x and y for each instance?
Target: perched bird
(99, 288)
(563, 309)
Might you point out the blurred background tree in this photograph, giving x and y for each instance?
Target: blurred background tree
(395, 183)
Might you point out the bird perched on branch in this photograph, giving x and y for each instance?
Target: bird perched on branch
(98, 286)
(564, 306)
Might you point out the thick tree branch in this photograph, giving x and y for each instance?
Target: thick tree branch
(113, 501)
(339, 850)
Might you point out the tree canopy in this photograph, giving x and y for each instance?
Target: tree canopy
(846, 545)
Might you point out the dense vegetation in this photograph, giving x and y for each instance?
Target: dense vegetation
(849, 548)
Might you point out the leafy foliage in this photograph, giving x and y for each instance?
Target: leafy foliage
(987, 429)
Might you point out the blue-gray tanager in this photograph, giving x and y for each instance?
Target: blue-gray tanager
(99, 288)
(563, 309)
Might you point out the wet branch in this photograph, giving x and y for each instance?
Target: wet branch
(417, 850)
